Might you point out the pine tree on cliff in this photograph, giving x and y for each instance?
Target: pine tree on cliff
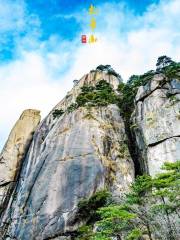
(163, 62)
(150, 208)
(167, 191)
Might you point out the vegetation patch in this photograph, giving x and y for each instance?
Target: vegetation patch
(151, 209)
(173, 99)
(100, 95)
(57, 113)
(129, 90)
(108, 69)
(87, 207)
(103, 94)
(72, 107)
(123, 151)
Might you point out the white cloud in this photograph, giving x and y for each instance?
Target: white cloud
(26, 83)
(12, 18)
(131, 44)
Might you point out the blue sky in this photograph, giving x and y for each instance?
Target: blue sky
(41, 52)
(42, 19)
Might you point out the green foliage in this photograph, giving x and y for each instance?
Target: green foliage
(150, 208)
(163, 61)
(84, 233)
(172, 71)
(115, 220)
(139, 189)
(172, 167)
(129, 91)
(100, 95)
(168, 67)
(87, 88)
(103, 94)
(57, 113)
(135, 234)
(100, 237)
(103, 67)
(167, 187)
(72, 107)
(173, 99)
(87, 210)
(87, 207)
(108, 69)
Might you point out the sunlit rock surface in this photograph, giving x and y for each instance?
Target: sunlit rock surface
(74, 155)
(70, 158)
(156, 122)
(15, 149)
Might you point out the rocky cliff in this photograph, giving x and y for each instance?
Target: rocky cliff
(156, 120)
(80, 149)
(15, 149)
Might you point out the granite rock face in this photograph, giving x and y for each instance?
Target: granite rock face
(80, 152)
(88, 79)
(70, 158)
(15, 149)
(156, 121)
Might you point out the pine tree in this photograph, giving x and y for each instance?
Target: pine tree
(151, 208)
(166, 189)
(163, 61)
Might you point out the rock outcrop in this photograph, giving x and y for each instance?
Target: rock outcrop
(70, 158)
(76, 153)
(156, 122)
(15, 149)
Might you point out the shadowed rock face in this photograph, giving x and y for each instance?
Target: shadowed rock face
(16, 148)
(70, 158)
(157, 120)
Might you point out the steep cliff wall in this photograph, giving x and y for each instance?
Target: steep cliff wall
(70, 158)
(156, 120)
(76, 151)
(15, 150)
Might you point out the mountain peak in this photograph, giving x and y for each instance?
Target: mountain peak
(102, 72)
